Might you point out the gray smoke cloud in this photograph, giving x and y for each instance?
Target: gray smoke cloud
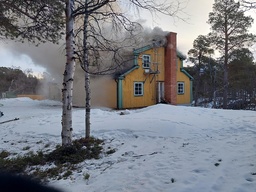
(48, 55)
(52, 57)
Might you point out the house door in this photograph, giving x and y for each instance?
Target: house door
(160, 92)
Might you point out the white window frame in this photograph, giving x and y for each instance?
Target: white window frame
(140, 90)
(146, 60)
(180, 88)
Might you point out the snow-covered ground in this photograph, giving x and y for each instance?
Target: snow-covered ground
(158, 148)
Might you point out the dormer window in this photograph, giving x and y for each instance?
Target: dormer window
(146, 61)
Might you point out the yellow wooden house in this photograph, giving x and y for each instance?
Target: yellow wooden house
(157, 76)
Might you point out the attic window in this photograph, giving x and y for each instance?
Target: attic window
(146, 61)
(181, 88)
(138, 89)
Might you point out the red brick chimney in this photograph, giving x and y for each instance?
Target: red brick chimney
(170, 83)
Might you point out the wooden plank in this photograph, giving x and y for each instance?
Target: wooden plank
(15, 119)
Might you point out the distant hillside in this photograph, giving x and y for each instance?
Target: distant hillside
(17, 81)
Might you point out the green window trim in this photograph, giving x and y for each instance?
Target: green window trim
(120, 93)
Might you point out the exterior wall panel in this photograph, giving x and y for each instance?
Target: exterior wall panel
(183, 98)
(149, 95)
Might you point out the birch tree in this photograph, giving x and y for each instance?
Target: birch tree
(43, 21)
(229, 31)
(68, 77)
(95, 16)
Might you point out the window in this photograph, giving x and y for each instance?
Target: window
(146, 61)
(138, 88)
(181, 87)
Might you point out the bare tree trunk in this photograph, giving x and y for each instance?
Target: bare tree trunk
(225, 78)
(198, 83)
(87, 105)
(67, 91)
(225, 91)
(86, 79)
(196, 88)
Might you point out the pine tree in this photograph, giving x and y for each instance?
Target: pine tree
(35, 21)
(242, 75)
(201, 48)
(229, 31)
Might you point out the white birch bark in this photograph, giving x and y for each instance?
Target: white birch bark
(67, 91)
(87, 79)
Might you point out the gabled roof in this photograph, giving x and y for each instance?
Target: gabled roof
(142, 49)
(121, 76)
(148, 47)
(136, 52)
(181, 55)
(187, 74)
